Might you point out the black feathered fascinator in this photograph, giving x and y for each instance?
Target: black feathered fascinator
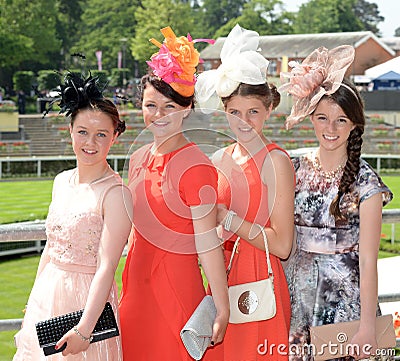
(76, 92)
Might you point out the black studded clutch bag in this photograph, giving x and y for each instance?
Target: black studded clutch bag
(51, 330)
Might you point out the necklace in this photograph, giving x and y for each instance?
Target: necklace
(94, 180)
(329, 175)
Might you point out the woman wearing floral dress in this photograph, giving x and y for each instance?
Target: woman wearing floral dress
(332, 274)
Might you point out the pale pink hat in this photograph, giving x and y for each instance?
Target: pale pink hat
(321, 73)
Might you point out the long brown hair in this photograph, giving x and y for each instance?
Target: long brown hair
(349, 99)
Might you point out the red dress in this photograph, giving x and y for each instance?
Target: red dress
(240, 188)
(161, 282)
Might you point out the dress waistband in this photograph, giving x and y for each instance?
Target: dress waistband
(327, 240)
(74, 267)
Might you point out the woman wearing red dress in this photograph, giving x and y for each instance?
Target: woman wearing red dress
(255, 188)
(174, 189)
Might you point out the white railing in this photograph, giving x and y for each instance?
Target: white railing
(38, 160)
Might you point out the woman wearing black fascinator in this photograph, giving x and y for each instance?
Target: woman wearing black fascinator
(87, 227)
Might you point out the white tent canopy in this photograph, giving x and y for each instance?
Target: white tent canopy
(378, 70)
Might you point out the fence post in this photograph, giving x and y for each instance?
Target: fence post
(39, 168)
(378, 165)
(393, 233)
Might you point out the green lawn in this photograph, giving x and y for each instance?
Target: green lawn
(394, 184)
(16, 277)
(29, 200)
(24, 200)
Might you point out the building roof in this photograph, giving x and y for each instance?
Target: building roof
(378, 70)
(390, 75)
(392, 42)
(299, 45)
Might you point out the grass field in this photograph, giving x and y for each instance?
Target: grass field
(393, 183)
(29, 200)
(16, 277)
(24, 201)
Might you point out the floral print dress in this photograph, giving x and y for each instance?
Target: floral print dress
(323, 274)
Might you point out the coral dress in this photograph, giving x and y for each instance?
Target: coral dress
(161, 282)
(240, 188)
(73, 226)
(324, 273)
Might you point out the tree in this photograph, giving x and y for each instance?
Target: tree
(68, 23)
(263, 16)
(14, 48)
(323, 16)
(154, 15)
(105, 23)
(327, 16)
(368, 14)
(30, 25)
(215, 14)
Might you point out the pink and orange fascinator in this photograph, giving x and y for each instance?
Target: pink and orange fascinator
(176, 61)
(321, 73)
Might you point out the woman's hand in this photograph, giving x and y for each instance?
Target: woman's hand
(365, 340)
(219, 328)
(75, 343)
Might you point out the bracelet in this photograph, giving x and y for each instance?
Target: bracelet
(228, 220)
(87, 339)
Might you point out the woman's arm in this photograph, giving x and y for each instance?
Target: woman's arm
(370, 234)
(117, 209)
(278, 174)
(212, 260)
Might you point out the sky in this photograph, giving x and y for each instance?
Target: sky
(389, 9)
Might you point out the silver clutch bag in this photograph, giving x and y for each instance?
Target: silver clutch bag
(196, 334)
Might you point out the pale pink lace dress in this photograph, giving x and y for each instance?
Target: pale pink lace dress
(73, 226)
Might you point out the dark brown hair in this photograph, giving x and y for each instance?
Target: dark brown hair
(349, 99)
(165, 89)
(105, 106)
(268, 94)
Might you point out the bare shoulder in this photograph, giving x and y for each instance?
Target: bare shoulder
(118, 192)
(278, 158)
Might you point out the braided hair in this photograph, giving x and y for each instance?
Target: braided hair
(349, 99)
